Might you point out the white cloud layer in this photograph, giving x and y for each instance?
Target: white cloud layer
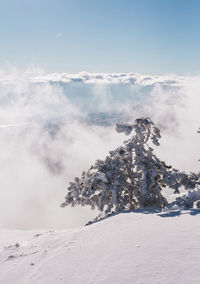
(54, 126)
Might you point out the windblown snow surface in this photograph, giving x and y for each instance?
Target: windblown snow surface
(52, 127)
(135, 247)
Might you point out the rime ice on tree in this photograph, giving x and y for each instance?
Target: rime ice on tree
(130, 177)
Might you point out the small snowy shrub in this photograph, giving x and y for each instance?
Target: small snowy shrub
(131, 177)
(198, 204)
(187, 200)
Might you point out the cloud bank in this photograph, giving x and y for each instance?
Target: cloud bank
(54, 126)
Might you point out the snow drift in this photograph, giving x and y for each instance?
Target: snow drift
(136, 247)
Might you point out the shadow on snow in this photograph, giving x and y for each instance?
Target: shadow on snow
(158, 212)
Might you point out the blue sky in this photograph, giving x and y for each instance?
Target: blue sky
(145, 36)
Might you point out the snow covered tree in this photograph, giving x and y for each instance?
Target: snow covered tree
(131, 177)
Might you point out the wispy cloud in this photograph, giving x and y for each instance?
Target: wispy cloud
(54, 126)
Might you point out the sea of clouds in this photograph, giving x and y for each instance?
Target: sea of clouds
(52, 127)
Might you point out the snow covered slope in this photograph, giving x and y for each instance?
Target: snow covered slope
(126, 248)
